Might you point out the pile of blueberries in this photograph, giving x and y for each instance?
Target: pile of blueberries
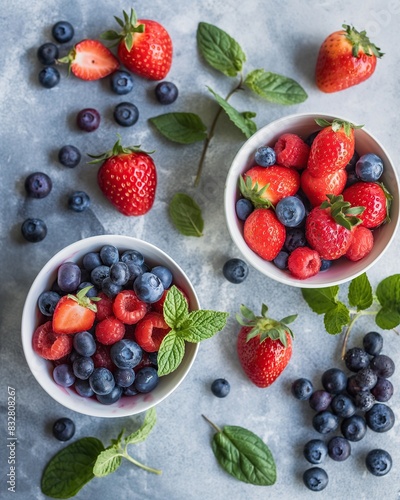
(354, 403)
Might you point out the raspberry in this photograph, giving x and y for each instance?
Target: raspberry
(291, 151)
(150, 331)
(361, 244)
(109, 331)
(304, 262)
(128, 308)
(104, 307)
(48, 345)
(101, 358)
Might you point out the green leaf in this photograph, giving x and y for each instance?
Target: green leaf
(184, 128)
(147, 426)
(202, 325)
(175, 308)
(241, 120)
(220, 50)
(388, 292)
(360, 292)
(170, 354)
(387, 318)
(108, 461)
(71, 468)
(275, 88)
(186, 215)
(289, 319)
(335, 319)
(321, 300)
(244, 455)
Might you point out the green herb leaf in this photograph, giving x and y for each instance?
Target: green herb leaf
(275, 88)
(242, 120)
(388, 295)
(321, 300)
(184, 128)
(71, 468)
(202, 325)
(170, 354)
(335, 319)
(147, 426)
(289, 319)
(175, 308)
(360, 292)
(220, 50)
(108, 461)
(387, 318)
(186, 215)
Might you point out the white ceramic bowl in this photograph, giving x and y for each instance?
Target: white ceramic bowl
(42, 369)
(303, 125)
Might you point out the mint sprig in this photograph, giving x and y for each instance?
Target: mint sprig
(186, 215)
(186, 326)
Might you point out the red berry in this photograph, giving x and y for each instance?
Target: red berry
(109, 331)
(50, 345)
(104, 307)
(101, 358)
(150, 331)
(374, 197)
(316, 188)
(361, 245)
(291, 151)
(304, 262)
(128, 308)
(263, 233)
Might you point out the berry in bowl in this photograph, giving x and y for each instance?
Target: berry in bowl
(95, 319)
(312, 200)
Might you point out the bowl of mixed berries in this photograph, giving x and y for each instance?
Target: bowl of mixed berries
(312, 200)
(93, 324)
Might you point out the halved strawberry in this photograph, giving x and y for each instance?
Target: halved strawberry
(74, 313)
(128, 308)
(150, 331)
(48, 345)
(109, 331)
(91, 60)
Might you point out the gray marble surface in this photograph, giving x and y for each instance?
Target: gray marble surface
(36, 122)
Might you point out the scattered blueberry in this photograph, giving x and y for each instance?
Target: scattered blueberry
(63, 375)
(78, 201)
(334, 380)
(369, 167)
(101, 381)
(111, 397)
(290, 211)
(88, 119)
(121, 82)
(47, 302)
(109, 255)
(69, 156)
(164, 274)
(325, 422)
(91, 260)
(235, 270)
(166, 92)
(281, 260)
(339, 448)
(352, 386)
(84, 343)
(356, 359)
(47, 53)
(364, 400)
(302, 389)
(354, 428)
(366, 379)
(126, 353)
(265, 156)
(83, 388)
(62, 31)
(148, 287)
(124, 377)
(126, 114)
(99, 274)
(220, 388)
(378, 462)
(316, 479)
(63, 429)
(38, 185)
(315, 451)
(34, 230)
(380, 418)
(83, 367)
(373, 343)
(320, 400)
(243, 207)
(383, 390)
(146, 379)
(119, 273)
(343, 406)
(295, 237)
(382, 365)
(49, 77)
(68, 276)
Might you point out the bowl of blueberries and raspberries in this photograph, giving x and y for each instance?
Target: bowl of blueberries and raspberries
(312, 200)
(93, 322)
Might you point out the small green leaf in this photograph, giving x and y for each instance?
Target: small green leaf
(186, 215)
(335, 319)
(141, 434)
(321, 300)
(71, 468)
(360, 292)
(171, 353)
(202, 325)
(175, 308)
(184, 128)
(108, 461)
(275, 88)
(244, 123)
(388, 292)
(289, 319)
(220, 50)
(387, 318)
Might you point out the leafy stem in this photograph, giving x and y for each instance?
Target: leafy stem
(215, 427)
(124, 453)
(354, 315)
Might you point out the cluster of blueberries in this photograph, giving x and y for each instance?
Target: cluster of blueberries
(354, 402)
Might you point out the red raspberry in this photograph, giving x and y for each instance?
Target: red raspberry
(361, 244)
(109, 331)
(104, 307)
(304, 262)
(291, 151)
(128, 308)
(150, 331)
(101, 358)
(50, 345)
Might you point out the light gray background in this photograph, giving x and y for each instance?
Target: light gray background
(35, 122)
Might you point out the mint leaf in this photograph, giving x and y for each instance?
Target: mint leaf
(335, 319)
(242, 121)
(147, 426)
(175, 308)
(219, 49)
(321, 300)
(275, 88)
(387, 318)
(186, 215)
(388, 291)
(202, 325)
(170, 354)
(71, 468)
(360, 292)
(184, 128)
(108, 461)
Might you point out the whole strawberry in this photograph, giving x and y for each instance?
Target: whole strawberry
(264, 233)
(144, 46)
(346, 58)
(316, 188)
(374, 197)
(128, 178)
(264, 345)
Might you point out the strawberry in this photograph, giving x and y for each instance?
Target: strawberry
(128, 178)
(291, 151)
(91, 60)
(329, 228)
(304, 262)
(128, 308)
(332, 148)
(266, 186)
(264, 346)
(48, 344)
(361, 244)
(374, 197)
(144, 46)
(316, 188)
(109, 331)
(345, 58)
(74, 313)
(264, 233)
(150, 331)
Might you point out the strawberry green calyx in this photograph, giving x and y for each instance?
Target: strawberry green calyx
(337, 125)
(389, 199)
(342, 211)
(117, 150)
(360, 41)
(264, 326)
(83, 300)
(129, 27)
(254, 193)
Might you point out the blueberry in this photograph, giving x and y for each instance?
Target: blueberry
(92, 292)
(63, 375)
(34, 230)
(119, 273)
(290, 211)
(101, 381)
(153, 357)
(110, 288)
(315, 451)
(316, 479)
(166, 92)
(49, 77)
(47, 302)
(99, 274)
(63, 429)
(352, 163)
(354, 428)
(69, 156)
(311, 137)
(220, 388)
(382, 365)
(124, 377)
(339, 448)
(235, 270)
(38, 185)
(83, 367)
(47, 53)
(62, 31)
(334, 380)
(383, 390)
(369, 167)
(281, 260)
(380, 418)
(91, 260)
(325, 265)
(356, 359)
(243, 208)
(78, 201)
(126, 114)
(295, 237)
(366, 379)
(302, 389)
(121, 82)
(111, 397)
(88, 119)
(364, 400)
(109, 255)
(343, 406)
(352, 386)
(325, 422)
(130, 391)
(351, 178)
(84, 343)
(164, 274)
(146, 379)
(148, 288)
(68, 276)
(378, 462)
(132, 256)
(265, 156)
(373, 343)
(134, 270)
(126, 353)
(320, 400)
(83, 388)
